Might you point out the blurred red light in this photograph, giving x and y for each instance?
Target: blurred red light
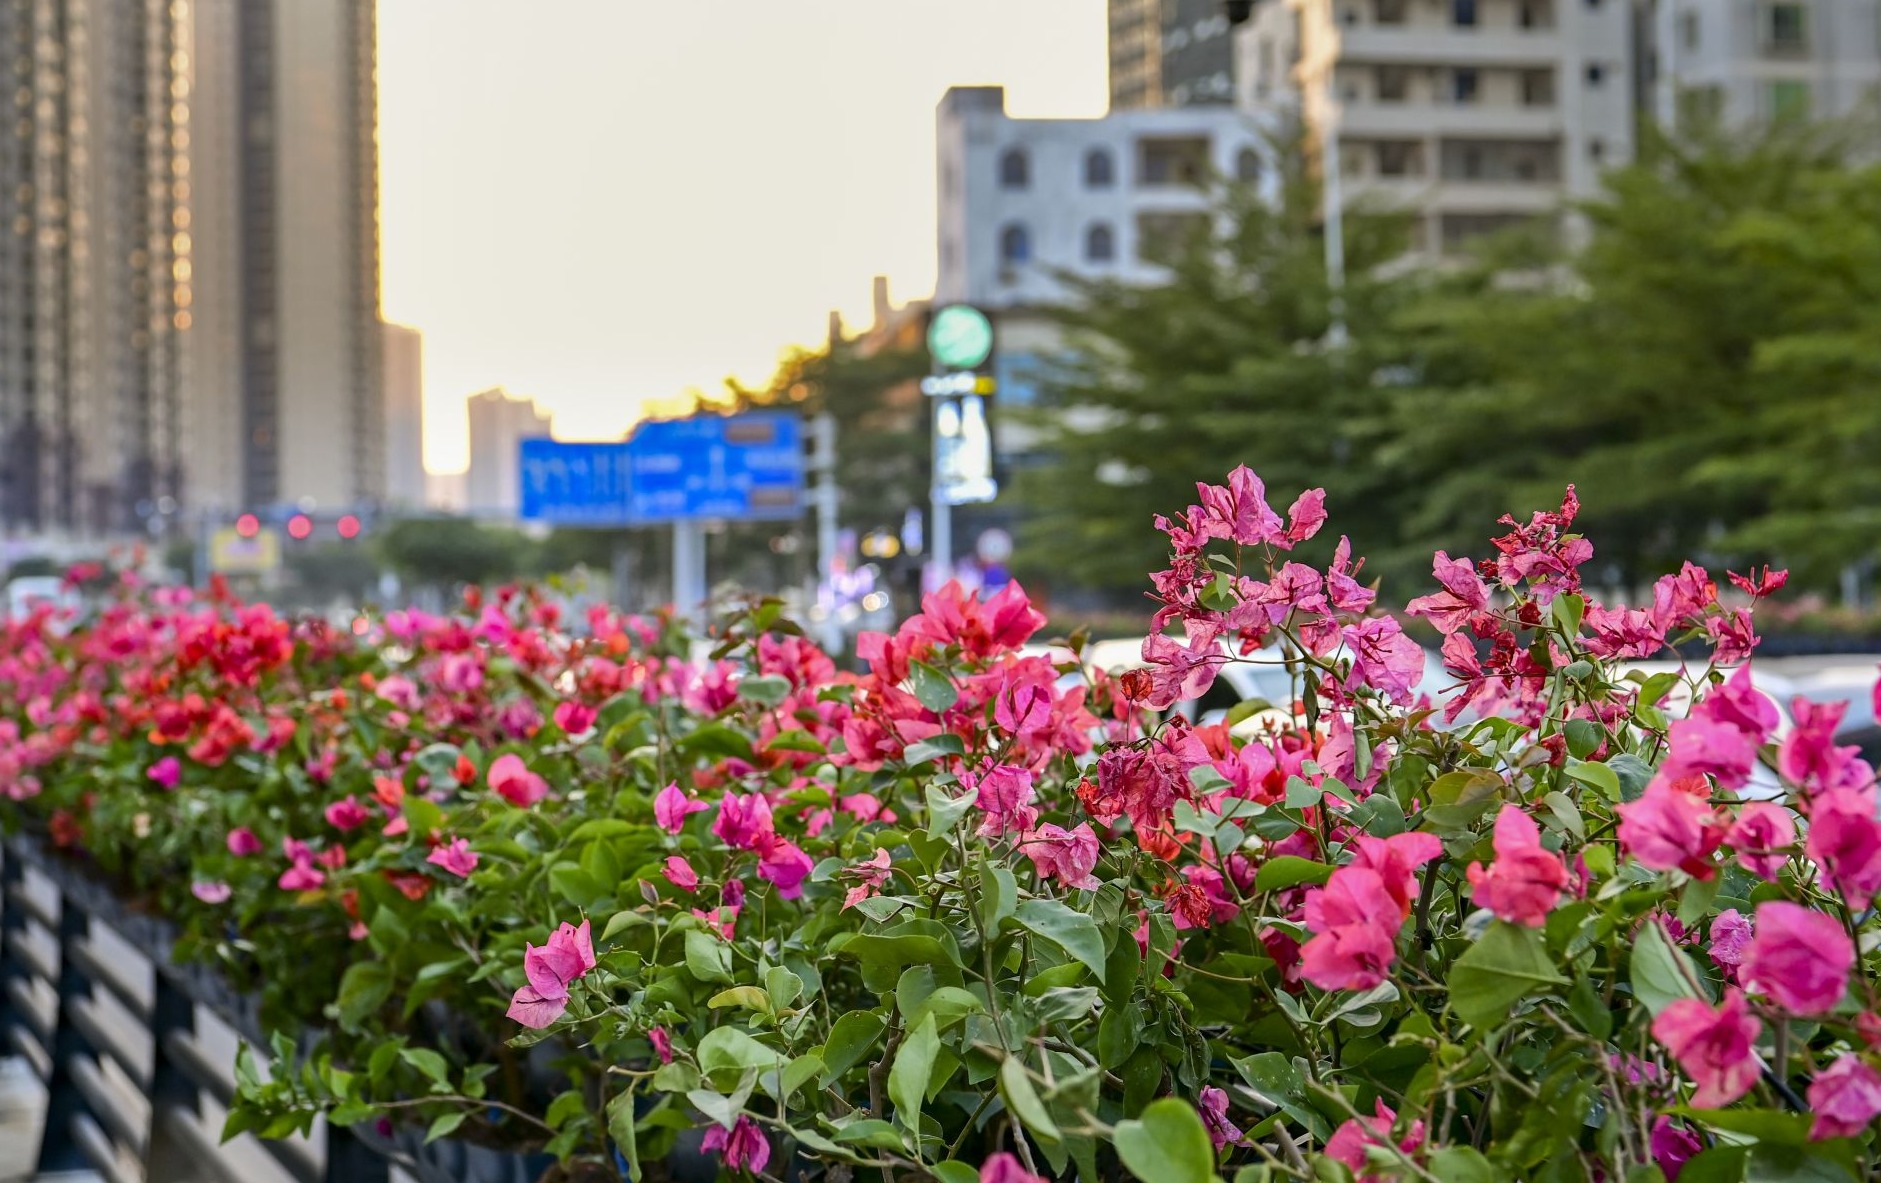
(348, 526)
(248, 525)
(299, 526)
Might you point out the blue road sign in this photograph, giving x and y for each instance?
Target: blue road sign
(739, 467)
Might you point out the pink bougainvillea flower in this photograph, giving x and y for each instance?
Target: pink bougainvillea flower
(1845, 1097)
(1799, 957)
(1212, 1103)
(1758, 586)
(549, 969)
(302, 876)
(1730, 937)
(1349, 1142)
(1672, 1145)
(1306, 515)
(1845, 842)
(511, 780)
(671, 807)
(1702, 745)
(1669, 829)
(1069, 856)
(209, 891)
(1739, 704)
(1464, 594)
(575, 718)
(1524, 883)
(1005, 799)
(347, 814)
(455, 857)
(1004, 1167)
(1355, 922)
(166, 772)
(1396, 860)
(743, 822)
(784, 865)
(866, 877)
(744, 1146)
(1809, 757)
(679, 872)
(1715, 1046)
(1384, 658)
(1762, 835)
(1239, 512)
(662, 1044)
(242, 842)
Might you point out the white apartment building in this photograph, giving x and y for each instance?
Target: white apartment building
(499, 422)
(1024, 199)
(1479, 114)
(1743, 62)
(402, 352)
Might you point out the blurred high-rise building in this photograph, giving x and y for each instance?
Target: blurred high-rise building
(282, 379)
(1746, 64)
(94, 262)
(1170, 53)
(404, 416)
(188, 260)
(499, 422)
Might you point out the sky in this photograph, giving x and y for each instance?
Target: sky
(610, 201)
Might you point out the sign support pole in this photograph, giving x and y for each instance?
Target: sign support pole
(689, 570)
(941, 542)
(823, 432)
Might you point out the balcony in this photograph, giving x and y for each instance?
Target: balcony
(1392, 120)
(1427, 46)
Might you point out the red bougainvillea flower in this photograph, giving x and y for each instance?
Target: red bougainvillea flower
(866, 877)
(1845, 1097)
(575, 718)
(1845, 842)
(1349, 1142)
(243, 843)
(511, 779)
(1003, 1167)
(671, 807)
(1715, 1046)
(455, 857)
(1799, 957)
(549, 969)
(1525, 882)
(346, 814)
(1672, 1145)
(680, 874)
(1213, 1105)
(166, 772)
(1670, 829)
(744, 1146)
(662, 1044)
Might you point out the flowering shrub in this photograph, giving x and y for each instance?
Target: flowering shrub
(976, 914)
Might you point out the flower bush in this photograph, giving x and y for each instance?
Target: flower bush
(976, 913)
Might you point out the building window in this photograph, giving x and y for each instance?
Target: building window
(1789, 100)
(1015, 169)
(1596, 73)
(1597, 149)
(1398, 158)
(1463, 13)
(1538, 88)
(1688, 30)
(1394, 84)
(1172, 161)
(1463, 85)
(1388, 12)
(1015, 245)
(1247, 165)
(1535, 14)
(1100, 172)
(1787, 31)
(1100, 243)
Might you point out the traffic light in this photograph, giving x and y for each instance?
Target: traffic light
(348, 526)
(299, 527)
(248, 525)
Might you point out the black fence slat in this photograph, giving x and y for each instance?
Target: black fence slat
(58, 1146)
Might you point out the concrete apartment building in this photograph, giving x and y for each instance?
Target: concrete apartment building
(1758, 62)
(499, 422)
(188, 261)
(403, 355)
(1170, 53)
(94, 264)
(1479, 114)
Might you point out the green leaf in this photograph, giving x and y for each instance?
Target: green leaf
(1508, 963)
(732, 1051)
(1069, 929)
(1597, 776)
(765, 689)
(999, 895)
(1567, 610)
(783, 986)
(707, 958)
(945, 811)
(1659, 973)
(363, 989)
(749, 997)
(914, 1063)
(1463, 1164)
(445, 1125)
(795, 739)
(428, 1062)
(620, 1127)
(849, 1040)
(1634, 774)
(945, 744)
(1015, 1088)
(1289, 870)
(955, 1172)
(1167, 1144)
(1279, 1082)
(1584, 737)
(935, 690)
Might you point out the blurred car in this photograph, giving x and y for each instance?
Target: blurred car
(32, 591)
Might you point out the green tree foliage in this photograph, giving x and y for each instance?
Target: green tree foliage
(445, 551)
(1227, 363)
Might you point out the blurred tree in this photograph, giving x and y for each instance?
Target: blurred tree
(1707, 371)
(1228, 363)
(445, 551)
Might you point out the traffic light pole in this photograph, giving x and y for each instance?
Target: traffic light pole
(689, 587)
(823, 463)
(941, 543)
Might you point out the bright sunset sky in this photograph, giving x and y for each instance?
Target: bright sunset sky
(594, 202)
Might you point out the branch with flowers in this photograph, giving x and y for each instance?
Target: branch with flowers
(979, 912)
